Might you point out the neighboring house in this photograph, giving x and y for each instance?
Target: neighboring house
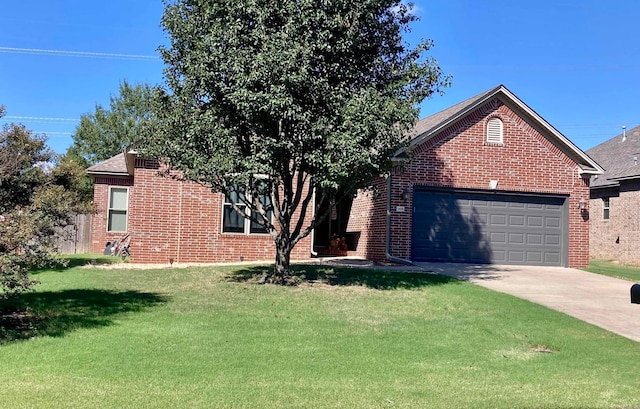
(489, 181)
(615, 199)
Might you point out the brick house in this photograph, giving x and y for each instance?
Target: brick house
(169, 220)
(615, 195)
(488, 181)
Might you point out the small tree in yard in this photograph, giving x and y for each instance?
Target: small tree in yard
(107, 132)
(34, 202)
(268, 98)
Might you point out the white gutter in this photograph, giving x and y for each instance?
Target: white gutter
(388, 235)
(313, 232)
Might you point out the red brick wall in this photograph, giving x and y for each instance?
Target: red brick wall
(99, 234)
(176, 220)
(368, 218)
(459, 157)
(617, 238)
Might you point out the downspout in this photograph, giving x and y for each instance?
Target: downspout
(313, 232)
(388, 235)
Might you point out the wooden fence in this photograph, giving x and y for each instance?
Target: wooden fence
(76, 239)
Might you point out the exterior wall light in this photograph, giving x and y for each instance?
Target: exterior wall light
(582, 204)
(405, 194)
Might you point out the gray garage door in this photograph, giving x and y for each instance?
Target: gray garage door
(488, 228)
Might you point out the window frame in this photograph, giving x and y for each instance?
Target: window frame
(111, 209)
(490, 136)
(227, 206)
(249, 227)
(606, 208)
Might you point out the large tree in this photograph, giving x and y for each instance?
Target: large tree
(36, 200)
(267, 98)
(107, 132)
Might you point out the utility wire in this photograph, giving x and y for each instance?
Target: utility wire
(86, 54)
(53, 133)
(36, 118)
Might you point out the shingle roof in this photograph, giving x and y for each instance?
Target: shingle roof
(617, 158)
(116, 166)
(425, 125)
(431, 125)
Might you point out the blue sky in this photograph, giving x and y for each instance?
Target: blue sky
(575, 63)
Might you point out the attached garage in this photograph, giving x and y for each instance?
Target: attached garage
(486, 180)
(486, 227)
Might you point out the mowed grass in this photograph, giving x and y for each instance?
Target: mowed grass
(613, 269)
(209, 337)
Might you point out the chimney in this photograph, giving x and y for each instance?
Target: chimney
(624, 133)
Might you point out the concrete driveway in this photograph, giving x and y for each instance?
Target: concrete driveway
(597, 299)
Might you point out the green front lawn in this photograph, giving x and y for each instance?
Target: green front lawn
(613, 269)
(346, 338)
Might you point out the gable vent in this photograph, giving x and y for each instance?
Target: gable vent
(494, 130)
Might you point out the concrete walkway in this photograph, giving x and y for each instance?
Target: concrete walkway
(594, 298)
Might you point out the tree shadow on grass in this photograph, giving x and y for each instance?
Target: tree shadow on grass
(378, 279)
(54, 314)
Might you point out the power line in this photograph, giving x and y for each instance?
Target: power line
(86, 54)
(59, 134)
(37, 118)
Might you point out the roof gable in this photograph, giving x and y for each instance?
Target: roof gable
(430, 126)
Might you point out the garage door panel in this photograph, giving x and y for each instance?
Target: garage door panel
(534, 257)
(498, 219)
(516, 256)
(535, 221)
(552, 209)
(534, 239)
(499, 257)
(517, 220)
(498, 237)
(479, 227)
(552, 240)
(552, 222)
(552, 258)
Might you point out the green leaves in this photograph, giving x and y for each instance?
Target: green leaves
(36, 199)
(107, 132)
(325, 89)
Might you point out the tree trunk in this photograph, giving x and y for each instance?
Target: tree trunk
(281, 272)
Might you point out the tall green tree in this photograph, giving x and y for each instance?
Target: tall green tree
(107, 132)
(266, 97)
(35, 202)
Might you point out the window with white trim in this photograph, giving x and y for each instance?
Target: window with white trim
(605, 208)
(234, 222)
(494, 130)
(118, 209)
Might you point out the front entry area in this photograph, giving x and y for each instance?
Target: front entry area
(487, 227)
